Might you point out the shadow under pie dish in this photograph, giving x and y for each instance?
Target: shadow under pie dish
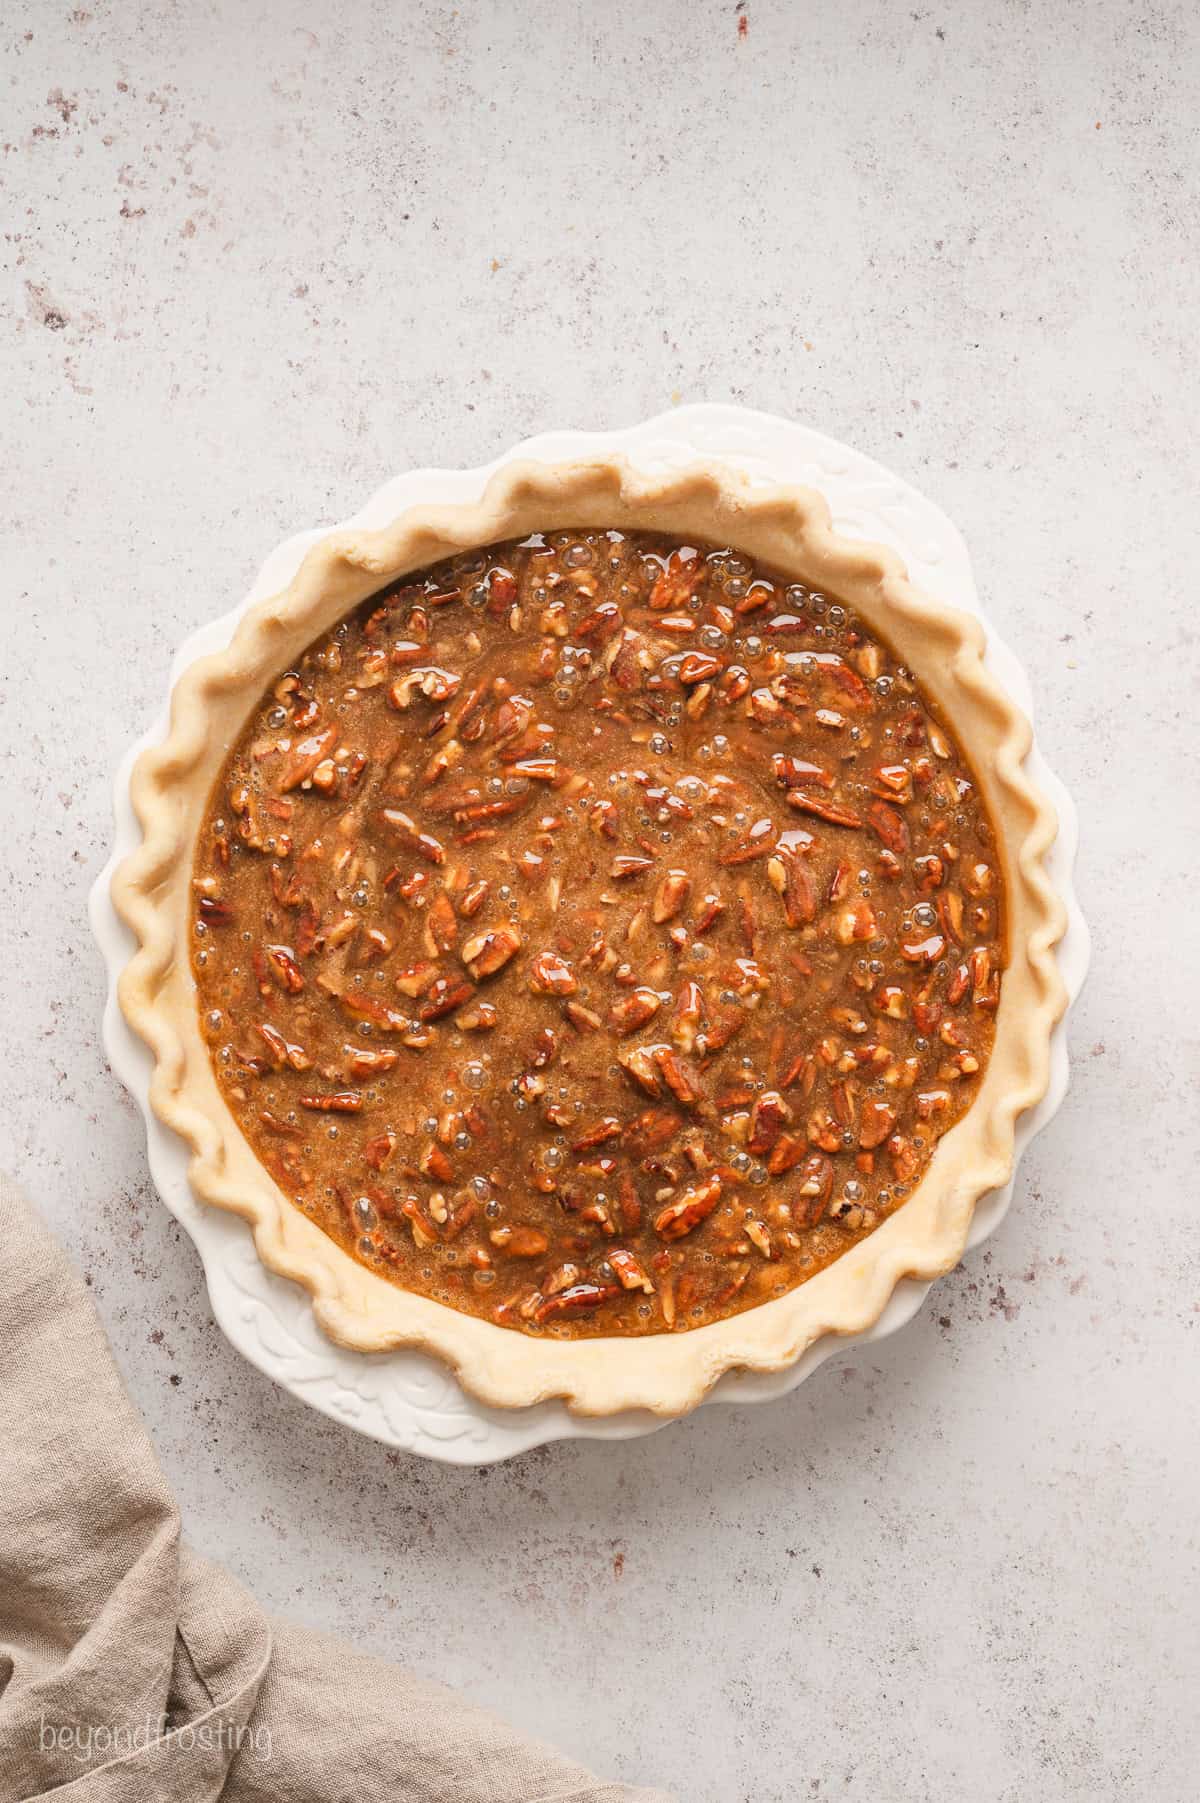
(598, 934)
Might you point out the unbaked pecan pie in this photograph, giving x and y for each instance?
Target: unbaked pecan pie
(594, 934)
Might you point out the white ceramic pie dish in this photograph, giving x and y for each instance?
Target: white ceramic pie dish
(406, 1398)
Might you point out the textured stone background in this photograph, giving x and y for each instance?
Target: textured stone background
(259, 256)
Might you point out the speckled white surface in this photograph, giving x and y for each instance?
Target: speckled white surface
(260, 256)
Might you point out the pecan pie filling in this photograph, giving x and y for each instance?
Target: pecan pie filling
(596, 933)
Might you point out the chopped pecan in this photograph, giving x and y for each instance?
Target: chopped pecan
(283, 1051)
(405, 828)
(551, 975)
(787, 1152)
(856, 923)
(584, 1020)
(679, 1076)
(486, 953)
(378, 1152)
(630, 1273)
(877, 1123)
(444, 996)
(822, 809)
(304, 756)
(670, 896)
(889, 825)
(793, 884)
(688, 1015)
(698, 666)
(677, 583)
(634, 1010)
(366, 1061)
(754, 844)
(520, 1242)
(473, 898)
(769, 1116)
(639, 1063)
(578, 1299)
(441, 923)
(708, 913)
(365, 1007)
(687, 1211)
(480, 1017)
(284, 968)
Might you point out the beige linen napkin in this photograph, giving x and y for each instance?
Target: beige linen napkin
(131, 1668)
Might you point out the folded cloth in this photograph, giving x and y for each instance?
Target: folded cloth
(131, 1668)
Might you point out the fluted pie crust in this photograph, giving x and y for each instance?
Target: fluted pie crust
(788, 528)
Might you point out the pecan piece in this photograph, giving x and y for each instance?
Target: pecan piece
(304, 757)
(284, 968)
(551, 975)
(434, 684)
(927, 951)
(794, 886)
(283, 1051)
(748, 846)
(441, 923)
(821, 809)
(578, 1299)
(670, 896)
(904, 1157)
(630, 1274)
(433, 1163)
(520, 1242)
(689, 1012)
(414, 979)
(634, 1010)
(856, 923)
(889, 825)
(687, 1211)
(769, 1116)
(365, 1007)
(486, 953)
(365, 1061)
(473, 898)
(411, 836)
(584, 1020)
(675, 585)
(679, 1076)
(816, 1186)
(600, 623)
(378, 1151)
(797, 773)
(878, 1122)
(893, 782)
(789, 1149)
(445, 994)
(707, 914)
(598, 1135)
(958, 985)
(698, 666)
(638, 1063)
(280, 1128)
(345, 1101)
(481, 1017)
